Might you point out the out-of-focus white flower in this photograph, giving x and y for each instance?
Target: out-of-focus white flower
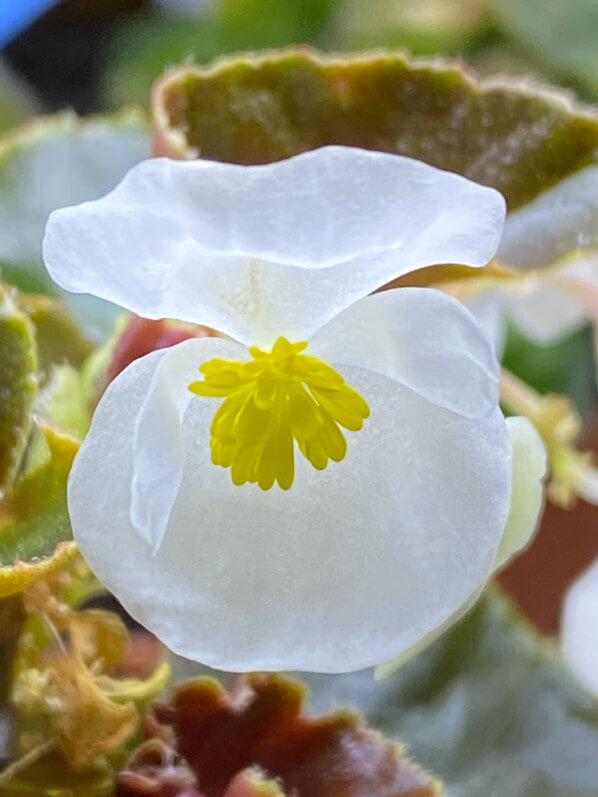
(572, 472)
(355, 559)
(545, 305)
(579, 628)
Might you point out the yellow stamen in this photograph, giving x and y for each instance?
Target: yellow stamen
(269, 402)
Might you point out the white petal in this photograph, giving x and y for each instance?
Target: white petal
(488, 309)
(259, 251)
(561, 219)
(579, 628)
(348, 567)
(423, 339)
(158, 442)
(527, 500)
(387, 668)
(56, 161)
(545, 312)
(580, 268)
(529, 469)
(586, 484)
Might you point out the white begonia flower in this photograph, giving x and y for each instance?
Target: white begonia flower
(579, 628)
(364, 556)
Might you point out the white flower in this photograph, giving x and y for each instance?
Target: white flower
(355, 562)
(579, 628)
(546, 305)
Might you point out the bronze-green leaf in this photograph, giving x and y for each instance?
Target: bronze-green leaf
(18, 366)
(257, 109)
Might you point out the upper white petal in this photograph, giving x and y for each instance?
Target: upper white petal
(259, 251)
(579, 628)
(347, 568)
(423, 339)
(158, 443)
(559, 220)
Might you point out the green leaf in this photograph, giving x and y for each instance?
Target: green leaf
(567, 366)
(302, 20)
(17, 102)
(18, 366)
(145, 48)
(265, 108)
(64, 401)
(53, 162)
(489, 708)
(35, 531)
(560, 35)
(424, 27)
(59, 337)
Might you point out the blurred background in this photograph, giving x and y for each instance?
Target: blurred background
(98, 55)
(92, 55)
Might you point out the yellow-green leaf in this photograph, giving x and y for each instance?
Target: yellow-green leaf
(35, 531)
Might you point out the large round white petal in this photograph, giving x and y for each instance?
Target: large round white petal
(259, 251)
(347, 568)
(421, 338)
(579, 628)
(527, 499)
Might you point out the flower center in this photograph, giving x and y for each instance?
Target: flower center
(269, 402)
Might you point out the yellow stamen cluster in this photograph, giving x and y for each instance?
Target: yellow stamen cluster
(278, 397)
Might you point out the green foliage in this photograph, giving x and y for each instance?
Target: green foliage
(16, 100)
(489, 708)
(35, 530)
(296, 21)
(59, 337)
(18, 367)
(566, 367)
(64, 401)
(424, 27)
(521, 37)
(54, 162)
(560, 36)
(151, 44)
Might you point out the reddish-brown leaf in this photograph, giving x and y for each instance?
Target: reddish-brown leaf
(256, 740)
